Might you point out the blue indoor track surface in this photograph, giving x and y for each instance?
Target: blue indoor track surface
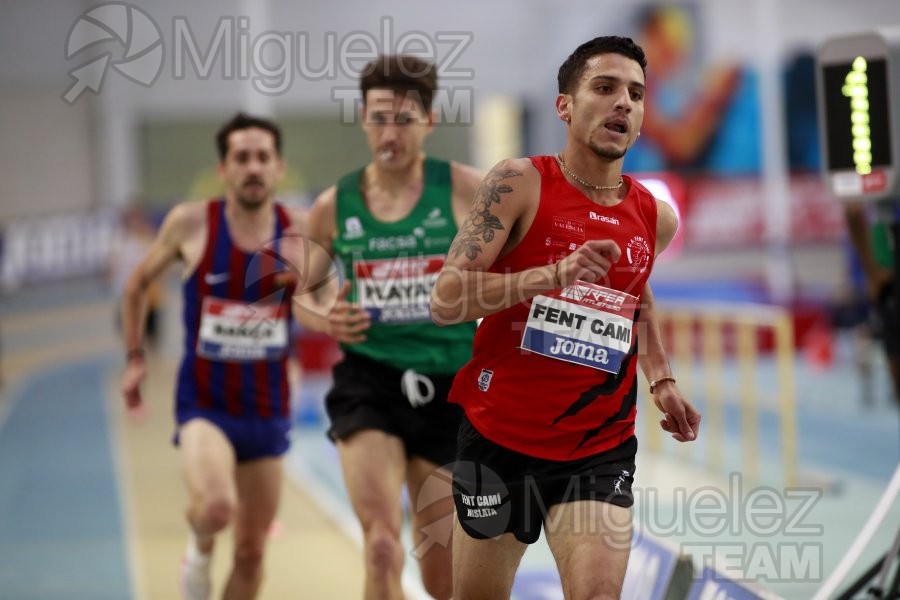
(61, 534)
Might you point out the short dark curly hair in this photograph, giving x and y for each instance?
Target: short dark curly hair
(573, 68)
(244, 121)
(401, 73)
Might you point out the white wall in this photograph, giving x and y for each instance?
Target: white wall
(46, 146)
(46, 160)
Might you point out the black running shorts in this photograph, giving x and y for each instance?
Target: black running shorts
(499, 491)
(412, 406)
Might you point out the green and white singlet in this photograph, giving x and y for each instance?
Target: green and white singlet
(392, 268)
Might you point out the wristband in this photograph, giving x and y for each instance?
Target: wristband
(132, 354)
(653, 384)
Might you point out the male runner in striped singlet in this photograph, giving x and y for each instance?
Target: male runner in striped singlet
(390, 225)
(232, 397)
(555, 255)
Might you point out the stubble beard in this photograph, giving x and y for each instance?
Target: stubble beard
(251, 204)
(605, 154)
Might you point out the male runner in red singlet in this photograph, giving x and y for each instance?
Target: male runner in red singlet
(555, 255)
(232, 397)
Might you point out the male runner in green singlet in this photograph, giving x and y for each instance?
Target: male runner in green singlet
(390, 225)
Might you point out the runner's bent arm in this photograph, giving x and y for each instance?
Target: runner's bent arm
(318, 303)
(679, 416)
(466, 180)
(311, 305)
(466, 291)
(652, 358)
(166, 248)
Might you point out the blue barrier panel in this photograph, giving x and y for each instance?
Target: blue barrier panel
(652, 567)
(712, 585)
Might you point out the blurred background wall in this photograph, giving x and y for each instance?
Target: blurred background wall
(730, 131)
(108, 112)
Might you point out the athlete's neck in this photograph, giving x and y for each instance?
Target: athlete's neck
(249, 217)
(594, 170)
(394, 182)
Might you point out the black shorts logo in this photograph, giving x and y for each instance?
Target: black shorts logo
(482, 500)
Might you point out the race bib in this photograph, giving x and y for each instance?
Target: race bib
(397, 290)
(236, 331)
(585, 323)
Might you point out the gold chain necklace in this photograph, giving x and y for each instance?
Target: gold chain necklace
(582, 181)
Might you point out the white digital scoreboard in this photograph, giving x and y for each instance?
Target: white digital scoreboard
(858, 90)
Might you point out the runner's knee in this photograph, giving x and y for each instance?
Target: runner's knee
(248, 559)
(383, 548)
(216, 512)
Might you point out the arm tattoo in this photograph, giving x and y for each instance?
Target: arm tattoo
(480, 224)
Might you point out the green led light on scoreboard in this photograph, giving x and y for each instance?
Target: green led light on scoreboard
(859, 120)
(856, 88)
